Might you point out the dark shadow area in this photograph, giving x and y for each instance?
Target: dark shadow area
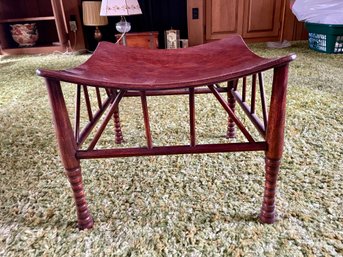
(156, 16)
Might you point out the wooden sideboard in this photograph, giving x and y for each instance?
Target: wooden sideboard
(141, 39)
(52, 18)
(255, 20)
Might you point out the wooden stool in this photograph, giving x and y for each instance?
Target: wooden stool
(122, 71)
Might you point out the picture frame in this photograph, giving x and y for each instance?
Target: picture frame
(172, 39)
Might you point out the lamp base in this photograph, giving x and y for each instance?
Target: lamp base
(97, 34)
(123, 27)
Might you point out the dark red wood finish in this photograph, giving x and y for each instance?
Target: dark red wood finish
(231, 130)
(275, 141)
(149, 69)
(67, 146)
(116, 72)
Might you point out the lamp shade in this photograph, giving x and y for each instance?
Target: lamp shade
(120, 7)
(91, 14)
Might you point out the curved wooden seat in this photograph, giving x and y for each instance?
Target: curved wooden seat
(117, 66)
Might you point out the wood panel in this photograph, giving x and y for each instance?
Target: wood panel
(52, 18)
(72, 8)
(223, 17)
(25, 9)
(255, 20)
(196, 31)
(62, 31)
(293, 29)
(262, 19)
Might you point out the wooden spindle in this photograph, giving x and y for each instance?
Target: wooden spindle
(231, 130)
(263, 100)
(89, 127)
(231, 113)
(88, 103)
(192, 115)
(146, 119)
(77, 112)
(244, 89)
(107, 118)
(118, 134)
(253, 94)
(108, 92)
(98, 97)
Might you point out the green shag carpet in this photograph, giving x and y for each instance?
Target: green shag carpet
(184, 205)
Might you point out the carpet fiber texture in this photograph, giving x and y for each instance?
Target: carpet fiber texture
(185, 205)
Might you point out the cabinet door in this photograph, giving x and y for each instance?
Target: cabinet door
(262, 18)
(223, 17)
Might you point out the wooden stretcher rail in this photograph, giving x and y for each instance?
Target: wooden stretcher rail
(171, 150)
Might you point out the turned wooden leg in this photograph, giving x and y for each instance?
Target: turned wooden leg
(268, 207)
(67, 148)
(84, 219)
(117, 127)
(231, 128)
(275, 141)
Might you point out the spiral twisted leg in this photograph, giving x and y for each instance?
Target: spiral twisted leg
(231, 128)
(267, 214)
(117, 127)
(84, 219)
(67, 148)
(275, 140)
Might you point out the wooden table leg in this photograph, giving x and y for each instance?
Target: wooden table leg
(275, 141)
(67, 147)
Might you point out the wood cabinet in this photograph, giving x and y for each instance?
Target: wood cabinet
(255, 20)
(52, 20)
(140, 39)
(223, 17)
(262, 20)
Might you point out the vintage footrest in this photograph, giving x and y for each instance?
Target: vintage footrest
(117, 71)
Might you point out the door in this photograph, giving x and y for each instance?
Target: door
(263, 19)
(223, 17)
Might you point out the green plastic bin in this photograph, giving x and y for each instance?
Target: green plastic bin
(326, 38)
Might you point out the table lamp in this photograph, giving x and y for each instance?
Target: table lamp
(91, 17)
(120, 8)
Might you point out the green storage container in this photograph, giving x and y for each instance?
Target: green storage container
(326, 38)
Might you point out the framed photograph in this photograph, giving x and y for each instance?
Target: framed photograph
(172, 39)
